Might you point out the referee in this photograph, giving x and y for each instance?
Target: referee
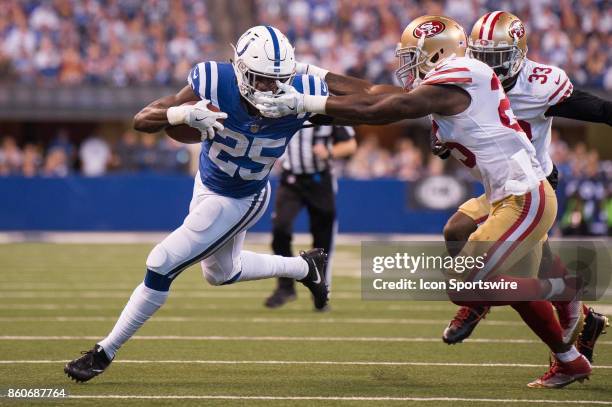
(307, 181)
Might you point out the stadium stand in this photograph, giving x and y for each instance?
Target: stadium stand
(108, 44)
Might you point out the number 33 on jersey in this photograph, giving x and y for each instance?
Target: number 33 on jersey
(238, 160)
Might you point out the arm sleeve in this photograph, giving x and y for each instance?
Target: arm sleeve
(584, 106)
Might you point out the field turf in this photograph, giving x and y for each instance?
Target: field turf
(220, 346)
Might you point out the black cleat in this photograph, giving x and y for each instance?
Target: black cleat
(594, 325)
(92, 363)
(315, 279)
(461, 327)
(280, 297)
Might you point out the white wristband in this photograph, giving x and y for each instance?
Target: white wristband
(177, 114)
(315, 104)
(301, 68)
(316, 71)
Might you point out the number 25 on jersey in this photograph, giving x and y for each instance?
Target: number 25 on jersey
(241, 149)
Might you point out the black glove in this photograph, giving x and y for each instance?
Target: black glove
(553, 178)
(438, 148)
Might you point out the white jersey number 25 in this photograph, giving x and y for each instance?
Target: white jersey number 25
(240, 150)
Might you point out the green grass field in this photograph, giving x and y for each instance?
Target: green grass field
(220, 346)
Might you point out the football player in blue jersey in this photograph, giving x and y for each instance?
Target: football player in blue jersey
(231, 189)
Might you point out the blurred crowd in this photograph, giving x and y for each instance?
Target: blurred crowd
(156, 41)
(131, 42)
(359, 36)
(587, 188)
(94, 156)
(115, 42)
(586, 180)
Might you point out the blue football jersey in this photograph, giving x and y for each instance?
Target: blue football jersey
(238, 160)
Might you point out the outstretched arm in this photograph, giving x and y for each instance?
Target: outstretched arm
(154, 117)
(346, 85)
(388, 107)
(376, 109)
(583, 106)
(340, 85)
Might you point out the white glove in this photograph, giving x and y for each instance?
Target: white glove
(287, 103)
(204, 119)
(197, 116)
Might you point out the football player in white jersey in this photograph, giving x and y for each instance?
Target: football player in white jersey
(474, 120)
(537, 93)
(231, 190)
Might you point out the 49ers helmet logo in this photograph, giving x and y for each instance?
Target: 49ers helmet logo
(429, 29)
(516, 29)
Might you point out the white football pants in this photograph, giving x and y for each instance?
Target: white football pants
(213, 233)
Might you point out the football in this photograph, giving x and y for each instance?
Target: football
(186, 134)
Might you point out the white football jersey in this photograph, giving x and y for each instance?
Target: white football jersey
(538, 87)
(486, 136)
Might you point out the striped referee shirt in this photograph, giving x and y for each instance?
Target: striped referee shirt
(299, 157)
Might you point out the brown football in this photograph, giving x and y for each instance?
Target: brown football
(186, 134)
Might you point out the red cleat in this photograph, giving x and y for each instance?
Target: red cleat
(463, 323)
(561, 374)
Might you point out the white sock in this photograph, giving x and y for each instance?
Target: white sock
(142, 304)
(568, 356)
(557, 285)
(257, 266)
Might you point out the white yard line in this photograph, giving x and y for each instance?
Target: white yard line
(156, 237)
(260, 320)
(119, 307)
(222, 293)
(293, 362)
(408, 307)
(272, 338)
(339, 398)
(125, 289)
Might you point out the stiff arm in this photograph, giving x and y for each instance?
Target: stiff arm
(341, 85)
(391, 107)
(358, 101)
